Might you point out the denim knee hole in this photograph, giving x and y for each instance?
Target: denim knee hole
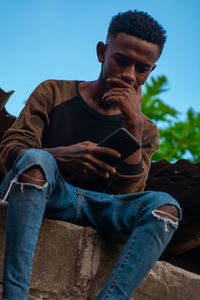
(157, 213)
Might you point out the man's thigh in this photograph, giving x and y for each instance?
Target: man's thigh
(115, 216)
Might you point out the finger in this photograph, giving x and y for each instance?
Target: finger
(114, 99)
(100, 164)
(119, 82)
(115, 95)
(88, 143)
(116, 91)
(139, 93)
(100, 150)
(95, 159)
(97, 171)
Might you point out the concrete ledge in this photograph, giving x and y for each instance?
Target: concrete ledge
(73, 263)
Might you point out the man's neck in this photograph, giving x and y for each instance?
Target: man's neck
(91, 92)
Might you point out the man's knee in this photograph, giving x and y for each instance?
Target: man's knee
(168, 211)
(33, 175)
(33, 157)
(167, 208)
(36, 166)
(165, 202)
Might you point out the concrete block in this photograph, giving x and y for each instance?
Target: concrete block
(73, 262)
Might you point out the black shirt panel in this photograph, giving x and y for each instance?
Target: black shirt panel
(75, 121)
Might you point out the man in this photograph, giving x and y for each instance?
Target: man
(67, 119)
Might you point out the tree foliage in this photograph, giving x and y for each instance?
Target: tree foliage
(178, 138)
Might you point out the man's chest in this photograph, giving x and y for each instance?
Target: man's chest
(71, 123)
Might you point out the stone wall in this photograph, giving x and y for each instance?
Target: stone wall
(72, 263)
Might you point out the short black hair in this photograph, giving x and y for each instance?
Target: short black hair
(138, 24)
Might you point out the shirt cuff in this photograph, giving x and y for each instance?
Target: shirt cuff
(12, 155)
(130, 169)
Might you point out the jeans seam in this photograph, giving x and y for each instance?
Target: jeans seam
(122, 263)
(78, 192)
(79, 205)
(115, 199)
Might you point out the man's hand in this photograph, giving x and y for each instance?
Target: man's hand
(128, 100)
(83, 159)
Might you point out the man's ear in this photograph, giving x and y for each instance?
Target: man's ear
(101, 49)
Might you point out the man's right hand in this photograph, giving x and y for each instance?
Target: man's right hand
(84, 159)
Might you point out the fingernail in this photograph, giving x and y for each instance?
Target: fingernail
(107, 175)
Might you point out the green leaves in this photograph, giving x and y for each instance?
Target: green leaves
(178, 139)
(154, 107)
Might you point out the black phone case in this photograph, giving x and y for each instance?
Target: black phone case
(122, 141)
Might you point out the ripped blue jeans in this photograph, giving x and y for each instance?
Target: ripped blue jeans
(132, 218)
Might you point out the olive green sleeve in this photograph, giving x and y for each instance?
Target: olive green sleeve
(27, 130)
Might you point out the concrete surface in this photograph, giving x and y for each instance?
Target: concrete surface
(73, 262)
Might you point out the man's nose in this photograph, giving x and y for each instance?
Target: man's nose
(128, 75)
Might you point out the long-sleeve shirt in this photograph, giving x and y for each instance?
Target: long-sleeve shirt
(56, 115)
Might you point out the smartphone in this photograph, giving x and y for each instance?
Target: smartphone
(122, 141)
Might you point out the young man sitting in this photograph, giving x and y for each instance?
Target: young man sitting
(56, 169)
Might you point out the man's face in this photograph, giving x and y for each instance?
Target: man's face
(128, 58)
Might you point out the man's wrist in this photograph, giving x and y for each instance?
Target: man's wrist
(130, 169)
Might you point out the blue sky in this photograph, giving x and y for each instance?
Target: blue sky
(56, 39)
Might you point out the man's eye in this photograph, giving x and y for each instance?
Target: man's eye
(142, 68)
(121, 61)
